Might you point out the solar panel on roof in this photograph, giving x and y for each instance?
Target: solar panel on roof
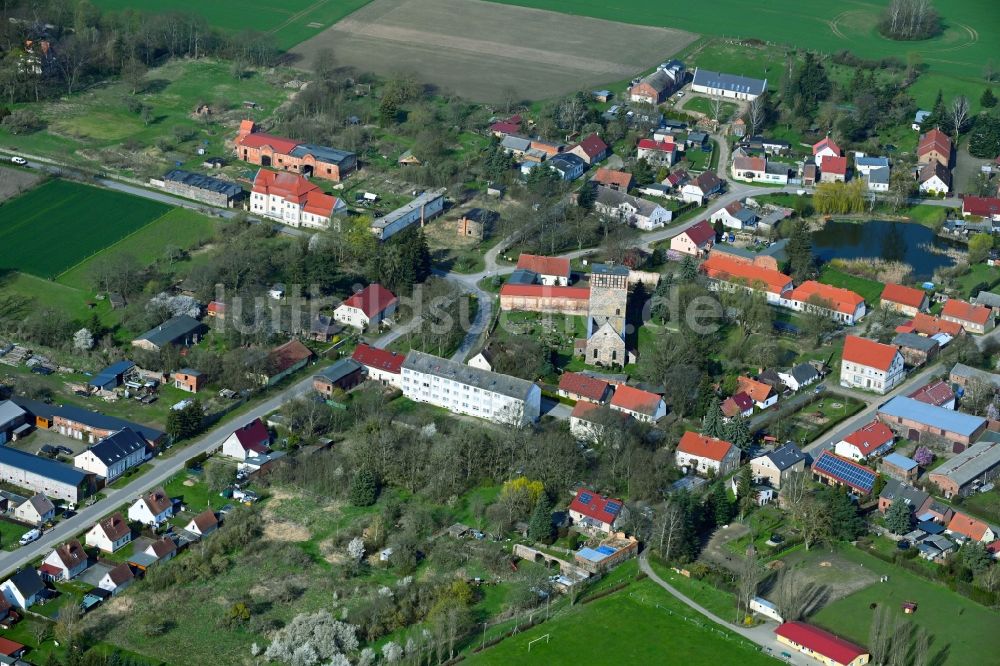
(585, 498)
(612, 507)
(843, 470)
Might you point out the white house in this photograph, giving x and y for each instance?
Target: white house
(153, 508)
(657, 152)
(24, 589)
(65, 562)
(117, 579)
(109, 534)
(248, 441)
(733, 86)
(774, 467)
(706, 454)
(293, 200)
(826, 147)
(640, 213)
(163, 550)
(367, 308)
(874, 439)
(878, 179)
(735, 216)
(382, 365)
(640, 405)
(113, 456)
(203, 524)
(701, 188)
(935, 178)
(870, 365)
(36, 510)
(799, 376)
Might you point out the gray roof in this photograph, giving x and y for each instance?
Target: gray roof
(42, 504)
(519, 143)
(323, 153)
(50, 469)
(936, 417)
(342, 368)
(204, 182)
(567, 162)
(778, 168)
(879, 175)
(971, 463)
(28, 582)
(120, 445)
(785, 457)
(968, 372)
(987, 298)
(894, 490)
(422, 200)
(660, 80)
(914, 341)
(803, 373)
(9, 411)
(614, 198)
(609, 269)
(459, 372)
(87, 417)
(731, 82)
(940, 542)
(697, 137)
(522, 276)
(172, 330)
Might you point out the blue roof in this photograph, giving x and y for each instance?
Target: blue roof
(900, 461)
(591, 554)
(935, 417)
(50, 469)
(856, 476)
(86, 417)
(930, 527)
(108, 377)
(323, 153)
(607, 550)
(731, 82)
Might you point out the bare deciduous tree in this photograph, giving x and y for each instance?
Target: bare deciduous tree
(750, 574)
(755, 114)
(959, 113)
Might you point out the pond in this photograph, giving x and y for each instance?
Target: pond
(878, 239)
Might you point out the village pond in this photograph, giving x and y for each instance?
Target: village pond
(910, 243)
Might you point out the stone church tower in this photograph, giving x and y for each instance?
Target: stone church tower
(606, 315)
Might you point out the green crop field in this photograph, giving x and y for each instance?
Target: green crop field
(289, 21)
(55, 226)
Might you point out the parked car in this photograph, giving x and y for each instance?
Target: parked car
(65, 450)
(29, 536)
(19, 160)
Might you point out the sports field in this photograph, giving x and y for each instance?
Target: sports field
(289, 21)
(55, 226)
(482, 50)
(972, 27)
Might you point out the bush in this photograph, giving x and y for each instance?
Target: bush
(364, 488)
(22, 121)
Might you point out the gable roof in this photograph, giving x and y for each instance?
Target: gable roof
(803, 373)
(9, 648)
(675, 178)
(50, 469)
(261, 139)
(845, 471)
(582, 385)
(494, 382)
(941, 418)
(899, 460)
(121, 574)
(707, 181)
(593, 146)
(868, 352)
(968, 526)
(659, 146)
(636, 400)
(869, 437)
(254, 436)
(606, 176)
(71, 554)
(700, 233)
(835, 165)
(785, 457)
(822, 642)
(727, 269)
(934, 140)
(935, 168)
(162, 547)
(965, 311)
(205, 520)
(114, 526)
(703, 446)
(157, 501)
(545, 291)
(175, 328)
(758, 391)
(596, 506)
(981, 206)
(118, 446)
(344, 367)
(909, 296)
(379, 359)
(827, 142)
(931, 325)
(736, 404)
(731, 82)
(936, 393)
(28, 582)
(873, 161)
(372, 300)
(41, 504)
(745, 163)
(895, 489)
(970, 463)
(544, 265)
(288, 355)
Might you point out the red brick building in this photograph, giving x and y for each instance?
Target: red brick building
(305, 159)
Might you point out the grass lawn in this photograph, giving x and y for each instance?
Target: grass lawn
(986, 505)
(74, 302)
(815, 419)
(55, 226)
(977, 275)
(870, 290)
(718, 601)
(927, 215)
(956, 624)
(10, 533)
(193, 490)
(703, 105)
(640, 624)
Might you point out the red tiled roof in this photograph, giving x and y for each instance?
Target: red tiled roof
(930, 325)
(827, 142)
(611, 177)
(662, 146)
(842, 300)
(700, 233)
(287, 355)
(50, 569)
(936, 393)
(217, 306)
(506, 127)
(542, 290)
(162, 547)
(821, 642)
(544, 265)
(677, 176)
(965, 311)
(707, 180)
(254, 437)
(758, 391)
(981, 206)
(727, 269)
(10, 648)
(635, 400)
(594, 505)
(837, 165)
(114, 526)
(870, 437)
(968, 526)
(157, 501)
(121, 574)
(696, 444)
(593, 146)
(290, 187)
(261, 139)
(318, 203)
(934, 140)
(868, 352)
(205, 520)
(582, 385)
(736, 404)
(372, 300)
(380, 359)
(745, 163)
(897, 293)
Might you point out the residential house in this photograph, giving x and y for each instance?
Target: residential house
(904, 300)
(676, 179)
(181, 330)
(696, 241)
(821, 645)
(899, 467)
(640, 213)
(878, 179)
(36, 510)
(24, 589)
(748, 168)
(842, 305)
(117, 579)
(971, 528)
(163, 549)
(763, 395)
(870, 365)
(701, 188)
(705, 455)
(152, 509)
(291, 199)
(518, 146)
(248, 441)
(732, 86)
(935, 146)
(936, 548)
(799, 376)
(731, 273)
(985, 207)
(594, 511)
(640, 405)
(927, 324)
(655, 88)
(113, 456)
(833, 170)
(343, 375)
(203, 524)
(976, 319)
(616, 180)
(735, 216)
(868, 441)
(307, 159)
(834, 470)
(823, 148)
(552, 271)
(659, 153)
(934, 179)
(381, 365)
(969, 470)
(913, 419)
(187, 379)
(502, 128)
(738, 404)
(109, 534)
(66, 562)
(577, 386)
(865, 164)
(916, 349)
(567, 165)
(937, 393)
(774, 467)
(589, 420)
(367, 308)
(591, 150)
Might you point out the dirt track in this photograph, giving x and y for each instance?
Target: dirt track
(16, 181)
(479, 50)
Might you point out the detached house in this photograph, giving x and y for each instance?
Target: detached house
(701, 188)
(113, 456)
(977, 319)
(826, 147)
(293, 200)
(748, 168)
(660, 153)
(551, 271)
(567, 165)
(616, 180)
(153, 509)
(738, 404)
(799, 376)
(368, 308)
(774, 467)
(971, 528)
(593, 510)
(696, 241)
(109, 534)
(65, 562)
(904, 300)
(706, 454)
(36, 510)
(640, 213)
(735, 216)
(842, 305)
(763, 395)
(935, 146)
(203, 524)
(591, 150)
(640, 405)
(874, 439)
(117, 579)
(24, 589)
(934, 178)
(870, 365)
(249, 441)
(655, 88)
(896, 491)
